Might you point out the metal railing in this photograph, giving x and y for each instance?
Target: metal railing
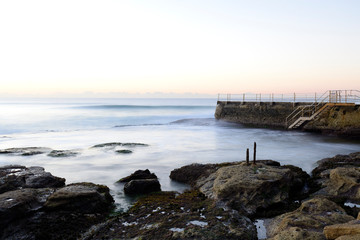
(345, 96)
(330, 97)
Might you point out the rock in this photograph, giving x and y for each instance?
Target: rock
(321, 174)
(80, 197)
(118, 144)
(62, 153)
(168, 215)
(250, 189)
(26, 151)
(189, 174)
(123, 151)
(353, 160)
(349, 229)
(308, 221)
(349, 237)
(341, 183)
(142, 186)
(34, 206)
(18, 203)
(139, 174)
(16, 177)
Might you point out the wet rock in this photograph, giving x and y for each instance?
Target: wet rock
(80, 197)
(62, 153)
(26, 151)
(189, 174)
(15, 177)
(168, 215)
(123, 151)
(326, 164)
(324, 177)
(118, 144)
(308, 221)
(139, 174)
(33, 212)
(251, 189)
(340, 184)
(142, 186)
(346, 229)
(19, 203)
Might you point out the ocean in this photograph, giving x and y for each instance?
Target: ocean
(176, 132)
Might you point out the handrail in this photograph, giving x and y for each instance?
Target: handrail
(330, 96)
(300, 109)
(348, 96)
(318, 104)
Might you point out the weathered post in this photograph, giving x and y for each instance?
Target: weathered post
(247, 156)
(254, 161)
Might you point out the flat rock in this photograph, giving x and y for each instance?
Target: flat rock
(139, 174)
(15, 177)
(26, 151)
(308, 221)
(142, 186)
(250, 189)
(118, 144)
(123, 151)
(62, 153)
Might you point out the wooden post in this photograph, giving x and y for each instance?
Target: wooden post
(254, 161)
(247, 156)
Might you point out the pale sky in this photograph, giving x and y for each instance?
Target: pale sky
(184, 46)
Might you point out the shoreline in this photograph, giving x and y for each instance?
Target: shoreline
(210, 205)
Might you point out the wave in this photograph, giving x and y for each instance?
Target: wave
(145, 107)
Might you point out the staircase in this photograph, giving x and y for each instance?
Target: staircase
(302, 120)
(331, 98)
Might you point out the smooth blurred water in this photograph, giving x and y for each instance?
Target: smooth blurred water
(178, 132)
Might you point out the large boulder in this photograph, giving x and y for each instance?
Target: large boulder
(17, 177)
(251, 188)
(80, 197)
(190, 174)
(139, 174)
(308, 221)
(142, 186)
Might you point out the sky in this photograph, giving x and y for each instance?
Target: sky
(177, 48)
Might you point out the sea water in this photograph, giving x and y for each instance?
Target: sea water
(177, 131)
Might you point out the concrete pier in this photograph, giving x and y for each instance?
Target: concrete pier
(338, 120)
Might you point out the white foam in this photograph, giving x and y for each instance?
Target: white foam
(260, 228)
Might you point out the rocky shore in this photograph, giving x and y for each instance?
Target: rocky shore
(224, 201)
